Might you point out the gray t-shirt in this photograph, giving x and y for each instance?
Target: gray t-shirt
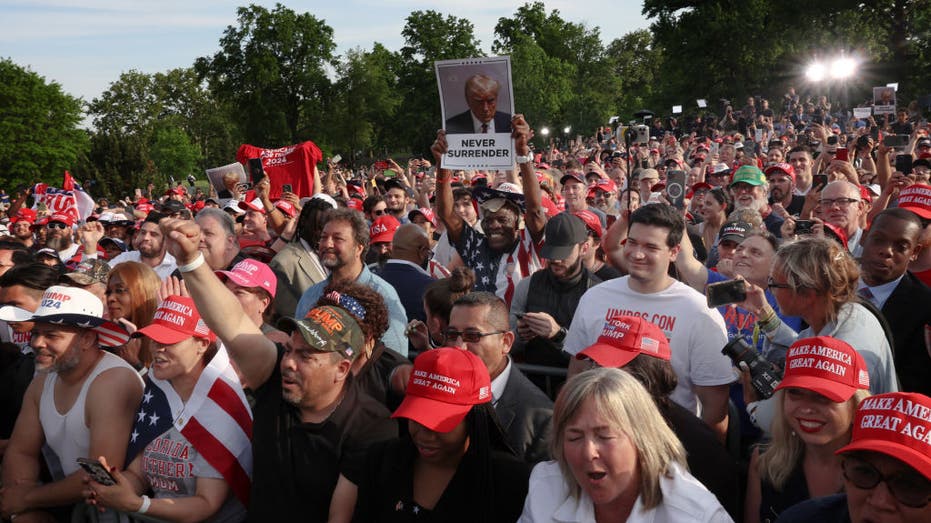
(171, 466)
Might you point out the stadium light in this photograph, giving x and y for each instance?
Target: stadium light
(843, 67)
(545, 131)
(837, 68)
(566, 129)
(815, 72)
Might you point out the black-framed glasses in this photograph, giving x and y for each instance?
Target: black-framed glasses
(771, 284)
(468, 336)
(840, 202)
(908, 487)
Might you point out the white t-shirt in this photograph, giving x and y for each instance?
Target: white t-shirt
(696, 333)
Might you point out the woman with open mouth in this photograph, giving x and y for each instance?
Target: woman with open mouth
(825, 380)
(616, 460)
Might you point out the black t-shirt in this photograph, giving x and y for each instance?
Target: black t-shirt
(375, 376)
(296, 464)
(477, 491)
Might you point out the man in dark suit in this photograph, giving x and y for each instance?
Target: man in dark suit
(479, 323)
(410, 251)
(893, 241)
(481, 93)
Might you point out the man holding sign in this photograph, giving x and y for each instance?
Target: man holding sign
(504, 254)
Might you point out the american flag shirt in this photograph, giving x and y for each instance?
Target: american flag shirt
(499, 272)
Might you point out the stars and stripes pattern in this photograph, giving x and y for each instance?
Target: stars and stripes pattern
(496, 272)
(216, 421)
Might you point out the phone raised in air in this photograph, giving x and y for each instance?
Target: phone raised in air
(675, 188)
(841, 154)
(726, 292)
(256, 171)
(819, 181)
(903, 164)
(287, 188)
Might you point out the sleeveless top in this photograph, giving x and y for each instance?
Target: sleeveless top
(66, 435)
(773, 502)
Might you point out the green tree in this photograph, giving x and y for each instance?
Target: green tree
(574, 52)
(428, 37)
(271, 70)
(117, 163)
(172, 152)
(365, 101)
(40, 135)
(637, 63)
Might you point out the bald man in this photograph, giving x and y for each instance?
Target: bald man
(483, 116)
(406, 269)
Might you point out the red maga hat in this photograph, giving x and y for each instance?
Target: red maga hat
(623, 338)
(825, 365)
(175, 320)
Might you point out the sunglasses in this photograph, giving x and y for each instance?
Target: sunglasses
(771, 284)
(379, 212)
(909, 488)
(56, 225)
(468, 336)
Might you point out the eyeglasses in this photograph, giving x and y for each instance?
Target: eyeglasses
(840, 202)
(771, 284)
(56, 225)
(468, 336)
(379, 212)
(909, 488)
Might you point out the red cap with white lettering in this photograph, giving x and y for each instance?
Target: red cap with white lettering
(443, 387)
(623, 338)
(897, 424)
(825, 365)
(176, 319)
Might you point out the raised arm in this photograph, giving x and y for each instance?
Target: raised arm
(254, 354)
(535, 216)
(693, 273)
(444, 191)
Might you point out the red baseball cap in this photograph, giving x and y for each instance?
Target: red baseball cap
(354, 203)
(286, 208)
(701, 185)
(916, 198)
(24, 215)
(783, 167)
(604, 184)
(549, 206)
(382, 229)
(896, 424)
(176, 319)
(623, 338)
(592, 222)
(826, 365)
(426, 212)
(251, 206)
(61, 218)
(444, 386)
(251, 273)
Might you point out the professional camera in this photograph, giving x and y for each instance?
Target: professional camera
(764, 376)
(191, 179)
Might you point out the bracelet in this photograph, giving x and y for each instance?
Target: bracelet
(193, 265)
(146, 501)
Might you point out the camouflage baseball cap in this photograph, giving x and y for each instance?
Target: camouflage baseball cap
(90, 271)
(328, 329)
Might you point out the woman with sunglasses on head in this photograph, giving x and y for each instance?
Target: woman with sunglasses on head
(825, 380)
(452, 464)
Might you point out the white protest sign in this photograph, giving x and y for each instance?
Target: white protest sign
(862, 112)
(477, 102)
(676, 109)
(702, 103)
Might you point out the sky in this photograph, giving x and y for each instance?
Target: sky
(85, 45)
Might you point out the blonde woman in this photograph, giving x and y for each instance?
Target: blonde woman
(604, 471)
(825, 381)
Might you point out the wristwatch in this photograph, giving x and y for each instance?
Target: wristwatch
(523, 159)
(560, 335)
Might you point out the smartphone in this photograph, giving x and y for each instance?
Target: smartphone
(381, 165)
(841, 154)
(903, 164)
(896, 140)
(96, 471)
(758, 135)
(819, 180)
(256, 171)
(803, 226)
(725, 292)
(874, 133)
(832, 140)
(675, 188)
(336, 159)
(287, 188)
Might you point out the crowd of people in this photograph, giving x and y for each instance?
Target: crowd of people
(540, 344)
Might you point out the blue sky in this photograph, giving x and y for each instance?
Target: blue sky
(84, 45)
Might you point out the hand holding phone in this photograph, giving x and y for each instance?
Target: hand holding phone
(256, 171)
(841, 154)
(96, 471)
(726, 292)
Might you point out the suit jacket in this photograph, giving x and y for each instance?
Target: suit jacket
(907, 311)
(462, 123)
(297, 270)
(410, 283)
(525, 414)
